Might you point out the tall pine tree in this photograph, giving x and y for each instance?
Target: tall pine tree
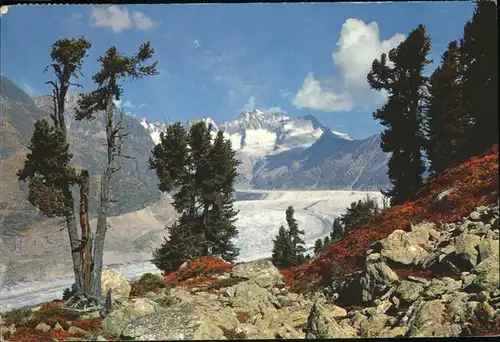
(445, 122)
(282, 249)
(298, 248)
(402, 114)
(479, 57)
(201, 172)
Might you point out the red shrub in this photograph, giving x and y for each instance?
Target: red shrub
(89, 324)
(204, 266)
(404, 273)
(476, 182)
(28, 334)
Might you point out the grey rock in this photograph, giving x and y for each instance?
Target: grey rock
(487, 273)
(262, 272)
(320, 325)
(465, 245)
(428, 321)
(377, 278)
(373, 325)
(178, 322)
(441, 286)
(475, 216)
(409, 291)
(43, 327)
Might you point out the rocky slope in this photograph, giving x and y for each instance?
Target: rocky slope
(455, 293)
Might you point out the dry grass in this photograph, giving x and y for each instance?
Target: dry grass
(476, 182)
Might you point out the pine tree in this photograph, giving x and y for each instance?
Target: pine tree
(402, 114)
(337, 230)
(358, 213)
(298, 248)
(48, 164)
(317, 246)
(445, 122)
(114, 68)
(202, 174)
(479, 58)
(282, 249)
(326, 240)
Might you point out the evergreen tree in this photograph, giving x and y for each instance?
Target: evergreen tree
(202, 174)
(358, 213)
(48, 164)
(402, 114)
(282, 249)
(298, 248)
(317, 246)
(337, 230)
(326, 240)
(479, 58)
(445, 123)
(115, 67)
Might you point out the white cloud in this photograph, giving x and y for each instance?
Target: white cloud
(359, 44)
(250, 105)
(285, 93)
(143, 22)
(4, 10)
(196, 43)
(142, 105)
(274, 109)
(120, 19)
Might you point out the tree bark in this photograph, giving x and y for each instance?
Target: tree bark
(75, 251)
(87, 239)
(102, 217)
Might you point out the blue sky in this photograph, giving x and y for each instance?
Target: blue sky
(218, 59)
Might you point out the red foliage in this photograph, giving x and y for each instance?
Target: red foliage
(50, 305)
(476, 182)
(242, 317)
(60, 335)
(205, 266)
(29, 334)
(404, 273)
(89, 324)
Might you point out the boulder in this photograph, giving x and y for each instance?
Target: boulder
(438, 287)
(116, 321)
(251, 299)
(43, 327)
(377, 278)
(487, 274)
(321, 325)
(405, 248)
(373, 325)
(465, 249)
(428, 321)
(113, 280)
(178, 322)
(409, 291)
(262, 272)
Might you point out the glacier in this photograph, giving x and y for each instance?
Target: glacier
(261, 213)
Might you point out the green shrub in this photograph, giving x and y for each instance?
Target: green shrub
(147, 283)
(16, 316)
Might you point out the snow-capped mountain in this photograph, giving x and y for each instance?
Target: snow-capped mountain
(258, 134)
(282, 152)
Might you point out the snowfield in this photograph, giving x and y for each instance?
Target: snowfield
(258, 223)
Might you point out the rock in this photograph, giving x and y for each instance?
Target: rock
(409, 291)
(444, 194)
(114, 280)
(251, 299)
(403, 247)
(178, 322)
(377, 278)
(487, 248)
(320, 325)
(467, 279)
(428, 321)
(487, 273)
(43, 327)
(356, 319)
(72, 330)
(456, 307)
(101, 338)
(419, 280)
(441, 286)
(373, 325)
(465, 250)
(475, 216)
(262, 272)
(116, 321)
(58, 327)
(393, 332)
